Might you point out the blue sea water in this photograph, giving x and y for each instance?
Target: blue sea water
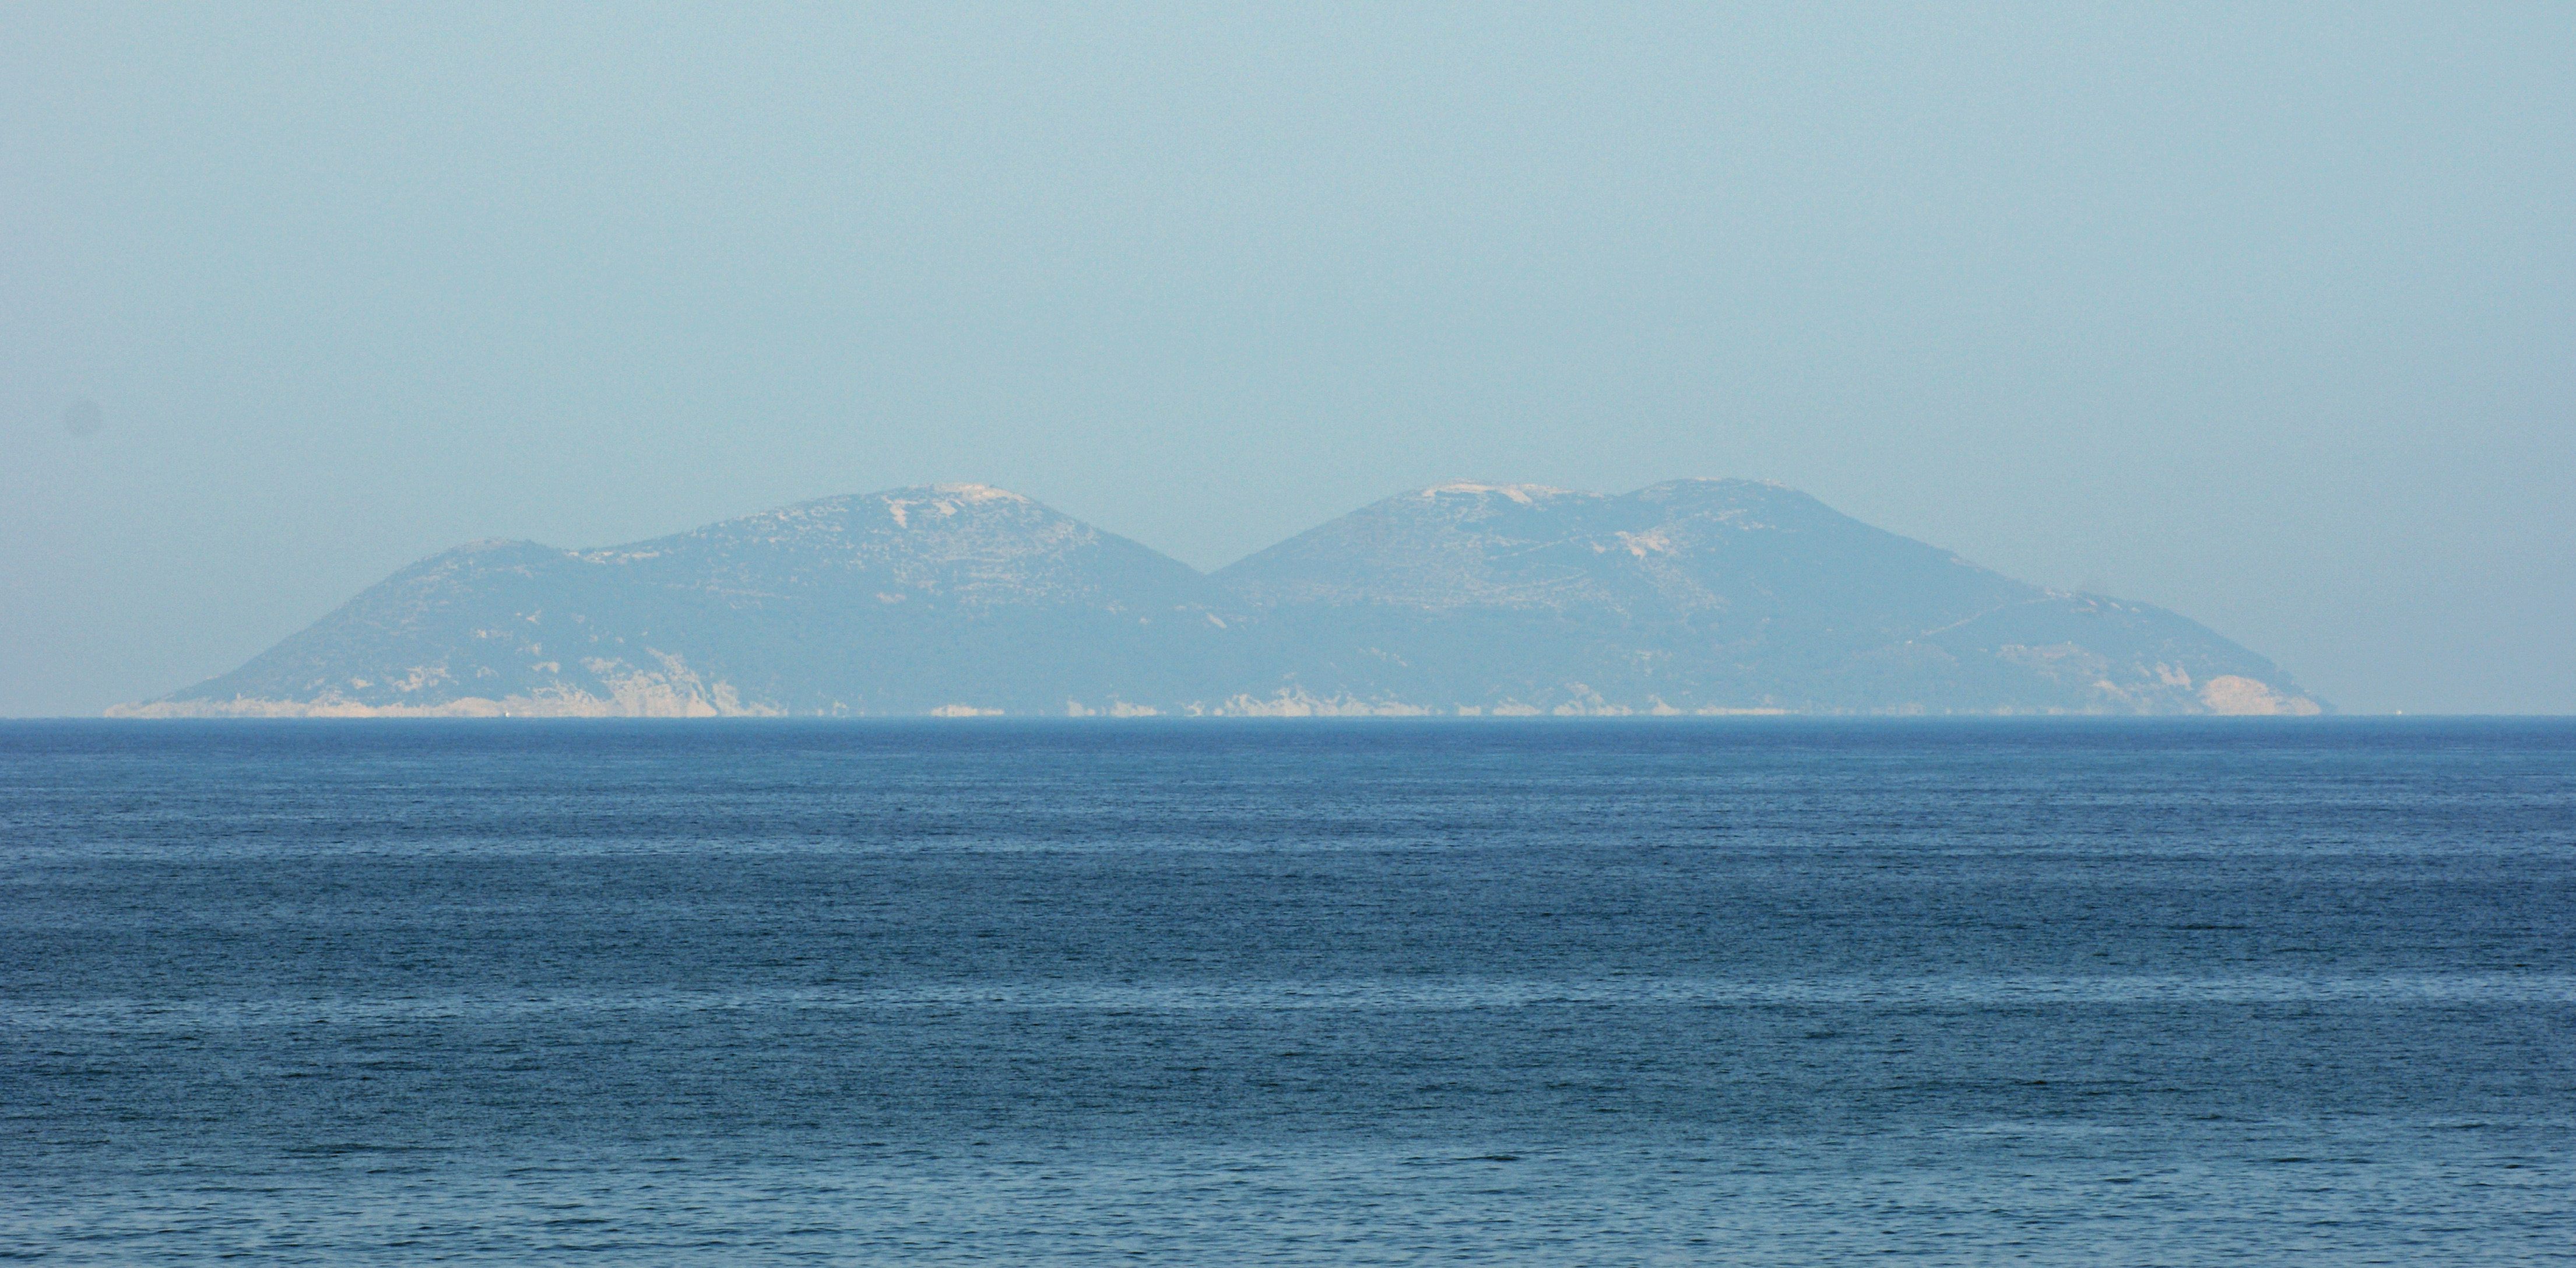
(1766, 992)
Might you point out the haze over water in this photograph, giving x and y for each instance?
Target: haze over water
(2257, 313)
(1781, 992)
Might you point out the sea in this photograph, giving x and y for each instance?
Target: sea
(1650, 991)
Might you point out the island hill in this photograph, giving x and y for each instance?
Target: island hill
(1689, 597)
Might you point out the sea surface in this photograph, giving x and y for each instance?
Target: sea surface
(1752, 991)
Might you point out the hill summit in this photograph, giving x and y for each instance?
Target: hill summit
(1691, 596)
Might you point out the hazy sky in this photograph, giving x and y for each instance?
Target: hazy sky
(2267, 315)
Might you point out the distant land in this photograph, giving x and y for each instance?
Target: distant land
(1688, 597)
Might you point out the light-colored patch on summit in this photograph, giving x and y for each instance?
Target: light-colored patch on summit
(976, 493)
(1525, 494)
(946, 500)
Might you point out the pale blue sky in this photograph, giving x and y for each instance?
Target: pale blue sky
(2267, 314)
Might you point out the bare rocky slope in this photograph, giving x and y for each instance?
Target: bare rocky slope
(1695, 596)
